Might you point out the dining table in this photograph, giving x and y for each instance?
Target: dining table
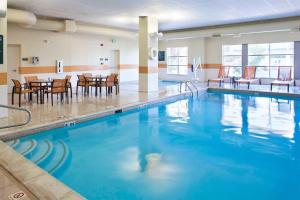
(40, 85)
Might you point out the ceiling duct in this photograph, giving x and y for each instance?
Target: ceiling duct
(29, 20)
(21, 17)
(3, 8)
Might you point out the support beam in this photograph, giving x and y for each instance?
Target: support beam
(148, 59)
(3, 64)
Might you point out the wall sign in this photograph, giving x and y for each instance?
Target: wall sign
(1, 49)
(161, 56)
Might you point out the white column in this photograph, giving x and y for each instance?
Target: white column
(148, 59)
(3, 67)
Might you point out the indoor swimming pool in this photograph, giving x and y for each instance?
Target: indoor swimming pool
(216, 146)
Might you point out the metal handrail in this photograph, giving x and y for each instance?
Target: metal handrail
(186, 86)
(194, 86)
(19, 109)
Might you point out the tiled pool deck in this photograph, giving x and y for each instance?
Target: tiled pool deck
(19, 174)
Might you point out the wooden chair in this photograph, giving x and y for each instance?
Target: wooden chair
(69, 84)
(222, 74)
(117, 83)
(81, 83)
(29, 79)
(90, 82)
(248, 76)
(109, 83)
(59, 86)
(284, 78)
(19, 89)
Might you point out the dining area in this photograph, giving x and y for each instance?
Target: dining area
(41, 90)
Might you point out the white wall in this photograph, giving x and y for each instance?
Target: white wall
(196, 48)
(74, 49)
(210, 48)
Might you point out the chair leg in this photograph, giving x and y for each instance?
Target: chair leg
(77, 90)
(20, 100)
(12, 98)
(52, 99)
(271, 87)
(71, 91)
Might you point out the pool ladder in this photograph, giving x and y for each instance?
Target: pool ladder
(18, 109)
(190, 86)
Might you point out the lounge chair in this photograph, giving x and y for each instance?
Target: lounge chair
(248, 77)
(223, 73)
(284, 78)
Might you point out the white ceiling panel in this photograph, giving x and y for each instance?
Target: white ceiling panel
(172, 14)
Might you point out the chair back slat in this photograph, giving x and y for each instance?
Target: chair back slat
(29, 79)
(285, 73)
(249, 72)
(81, 78)
(111, 78)
(88, 75)
(68, 78)
(17, 86)
(58, 85)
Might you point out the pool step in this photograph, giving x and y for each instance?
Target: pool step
(51, 156)
(43, 150)
(13, 143)
(60, 155)
(26, 147)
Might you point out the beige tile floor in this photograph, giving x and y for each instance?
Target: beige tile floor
(9, 185)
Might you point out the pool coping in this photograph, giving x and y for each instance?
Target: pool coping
(38, 182)
(254, 92)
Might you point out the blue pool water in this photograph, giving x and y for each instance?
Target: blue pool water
(219, 146)
(165, 83)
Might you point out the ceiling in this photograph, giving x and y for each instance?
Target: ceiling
(172, 14)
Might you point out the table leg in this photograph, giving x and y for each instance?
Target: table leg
(96, 87)
(271, 87)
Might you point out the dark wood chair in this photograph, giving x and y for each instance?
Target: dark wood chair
(90, 82)
(117, 83)
(19, 89)
(81, 83)
(59, 86)
(69, 84)
(109, 83)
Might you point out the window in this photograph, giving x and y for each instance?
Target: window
(268, 57)
(232, 56)
(177, 60)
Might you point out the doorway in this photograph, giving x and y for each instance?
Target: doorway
(114, 61)
(13, 64)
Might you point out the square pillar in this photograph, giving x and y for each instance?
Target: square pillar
(3, 65)
(148, 50)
